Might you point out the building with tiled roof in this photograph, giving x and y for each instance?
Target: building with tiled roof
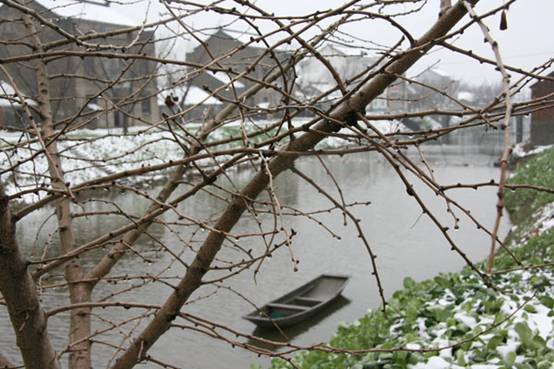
(79, 83)
(236, 52)
(542, 118)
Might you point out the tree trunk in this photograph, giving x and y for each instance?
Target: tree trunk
(79, 292)
(104, 266)
(5, 363)
(19, 291)
(357, 102)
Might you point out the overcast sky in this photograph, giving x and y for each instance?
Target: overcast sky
(528, 41)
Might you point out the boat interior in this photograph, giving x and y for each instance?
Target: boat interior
(310, 296)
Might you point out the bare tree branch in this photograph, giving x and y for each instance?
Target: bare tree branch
(357, 102)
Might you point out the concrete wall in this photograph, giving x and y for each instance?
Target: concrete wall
(220, 44)
(76, 82)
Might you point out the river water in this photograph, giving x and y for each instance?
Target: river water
(407, 244)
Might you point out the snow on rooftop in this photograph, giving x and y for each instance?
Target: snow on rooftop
(195, 95)
(432, 74)
(4, 102)
(94, 107)
(226, 80)
(115, 13)
(466, 96)
(348, 62)
(330, 49)
(192, 95)
(244, 37)
(8, 96)
(440, 72)
(6, 89)
(223, 33)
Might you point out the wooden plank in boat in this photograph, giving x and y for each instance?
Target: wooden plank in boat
(287, 306)
(307, 299)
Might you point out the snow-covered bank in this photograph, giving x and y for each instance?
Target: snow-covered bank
(456, 320)
(90, 154)
(519, 150)
(85, 155)
(452, 322)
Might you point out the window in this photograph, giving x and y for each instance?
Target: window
(88, 63)
(117, 119)
(146, 106)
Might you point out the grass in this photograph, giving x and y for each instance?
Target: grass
(539, 171)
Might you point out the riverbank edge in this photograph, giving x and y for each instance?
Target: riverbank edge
(91, 154)
(454, 320)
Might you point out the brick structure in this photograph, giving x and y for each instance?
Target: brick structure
(96, 85)
(223, 42)
(542, 121)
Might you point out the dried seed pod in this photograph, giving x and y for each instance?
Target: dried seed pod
(503, 21)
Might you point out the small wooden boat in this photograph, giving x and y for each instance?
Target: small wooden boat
(301, 303)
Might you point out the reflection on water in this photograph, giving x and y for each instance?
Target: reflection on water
(407, 244)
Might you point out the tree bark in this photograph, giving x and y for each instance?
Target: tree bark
(80, 326)
(19, 291)
(5, 363)
(357, 102)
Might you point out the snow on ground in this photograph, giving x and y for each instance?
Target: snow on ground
(472, 326)
(528, 317)
(86, 155)
(90, 154)
(520, 152)
(545, 219)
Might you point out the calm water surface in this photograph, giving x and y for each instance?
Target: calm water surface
(406, 243)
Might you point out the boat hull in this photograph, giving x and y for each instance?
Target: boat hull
(301, 303)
